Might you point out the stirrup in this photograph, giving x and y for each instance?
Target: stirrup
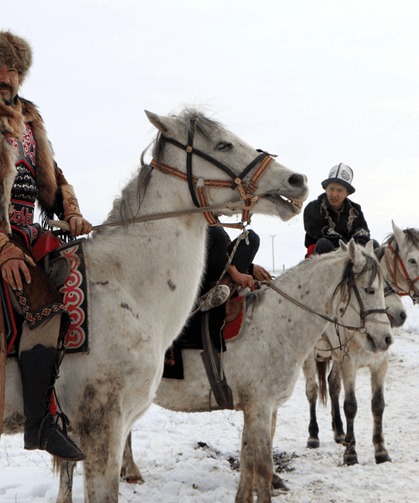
(214, 298)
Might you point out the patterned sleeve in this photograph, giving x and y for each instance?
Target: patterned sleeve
(361, 233)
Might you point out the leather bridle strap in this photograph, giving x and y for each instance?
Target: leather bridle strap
(411, 283)
(189, 151)
(199, 197)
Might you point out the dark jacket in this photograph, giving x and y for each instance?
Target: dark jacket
(322, 221)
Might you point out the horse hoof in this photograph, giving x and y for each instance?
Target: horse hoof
(382, 458)
(134, 480)
(313, 443)
(278, 483)
(339, 439)
(350, 459)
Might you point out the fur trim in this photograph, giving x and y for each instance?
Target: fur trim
(48, 176)
(46, 170)
(8, 173)
(15, 51)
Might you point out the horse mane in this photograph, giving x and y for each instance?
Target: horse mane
(193, 120)
(349, 280)
(122, 209)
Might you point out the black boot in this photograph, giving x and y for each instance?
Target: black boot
(38, 371)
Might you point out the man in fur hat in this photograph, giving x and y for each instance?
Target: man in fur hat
(332, 216)
(29, 174)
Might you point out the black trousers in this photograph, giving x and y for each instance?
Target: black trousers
(218, 250)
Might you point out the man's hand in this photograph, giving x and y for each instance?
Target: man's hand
(79, 226)
(243, 280)
(261, 274)
(12, 270)
(13, 264)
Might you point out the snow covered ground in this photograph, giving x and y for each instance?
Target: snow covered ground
(189, 458)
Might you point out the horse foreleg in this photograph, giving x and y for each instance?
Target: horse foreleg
(102, 439)
(65, 493)
(335, 386)
(277, 482)
(309, 370)
(377, 406)
(256, 460)
(129, 470)
(350, 407)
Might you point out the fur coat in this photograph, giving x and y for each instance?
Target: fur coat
(49, 178)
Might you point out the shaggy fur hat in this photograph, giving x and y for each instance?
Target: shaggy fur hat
(342, 174)
(15, 51)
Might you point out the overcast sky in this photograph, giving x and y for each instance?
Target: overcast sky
(317, 82)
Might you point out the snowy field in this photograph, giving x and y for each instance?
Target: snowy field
(190, 458)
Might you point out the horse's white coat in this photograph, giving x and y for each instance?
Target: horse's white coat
(262, 365)
(144, 279)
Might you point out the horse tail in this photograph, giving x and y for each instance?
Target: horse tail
(322, 365)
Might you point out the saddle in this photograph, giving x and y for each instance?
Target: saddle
(65, 267)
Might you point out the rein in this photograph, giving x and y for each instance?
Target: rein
(351, 282)
(60, 224)
(412, 292)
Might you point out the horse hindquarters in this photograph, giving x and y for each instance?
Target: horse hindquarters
(256, 460)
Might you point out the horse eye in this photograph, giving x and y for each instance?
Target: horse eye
(370, 291)
(223, 145)
(412, 261)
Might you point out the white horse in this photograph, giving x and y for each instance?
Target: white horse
(399, 259)
(144, 277)
(263, 363)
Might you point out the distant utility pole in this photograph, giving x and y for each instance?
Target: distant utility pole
(273, 253)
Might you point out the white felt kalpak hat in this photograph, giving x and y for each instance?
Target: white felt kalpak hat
(342, 174)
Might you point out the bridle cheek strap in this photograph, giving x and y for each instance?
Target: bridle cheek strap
(197, 185)
(411, 283)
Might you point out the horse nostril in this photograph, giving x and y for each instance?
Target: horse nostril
(403, 316)
(389, 340)
(296, 180)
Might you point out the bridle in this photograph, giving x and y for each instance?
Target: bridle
(412, 292)
(197, 184)
(349, 278)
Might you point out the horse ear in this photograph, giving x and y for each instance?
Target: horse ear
(398, 234)
(354, 252)
(166, 125)
(369, 247)
(343, 246)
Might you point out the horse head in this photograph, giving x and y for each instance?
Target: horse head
(361, 305)
(404, 248)
(210, 157)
